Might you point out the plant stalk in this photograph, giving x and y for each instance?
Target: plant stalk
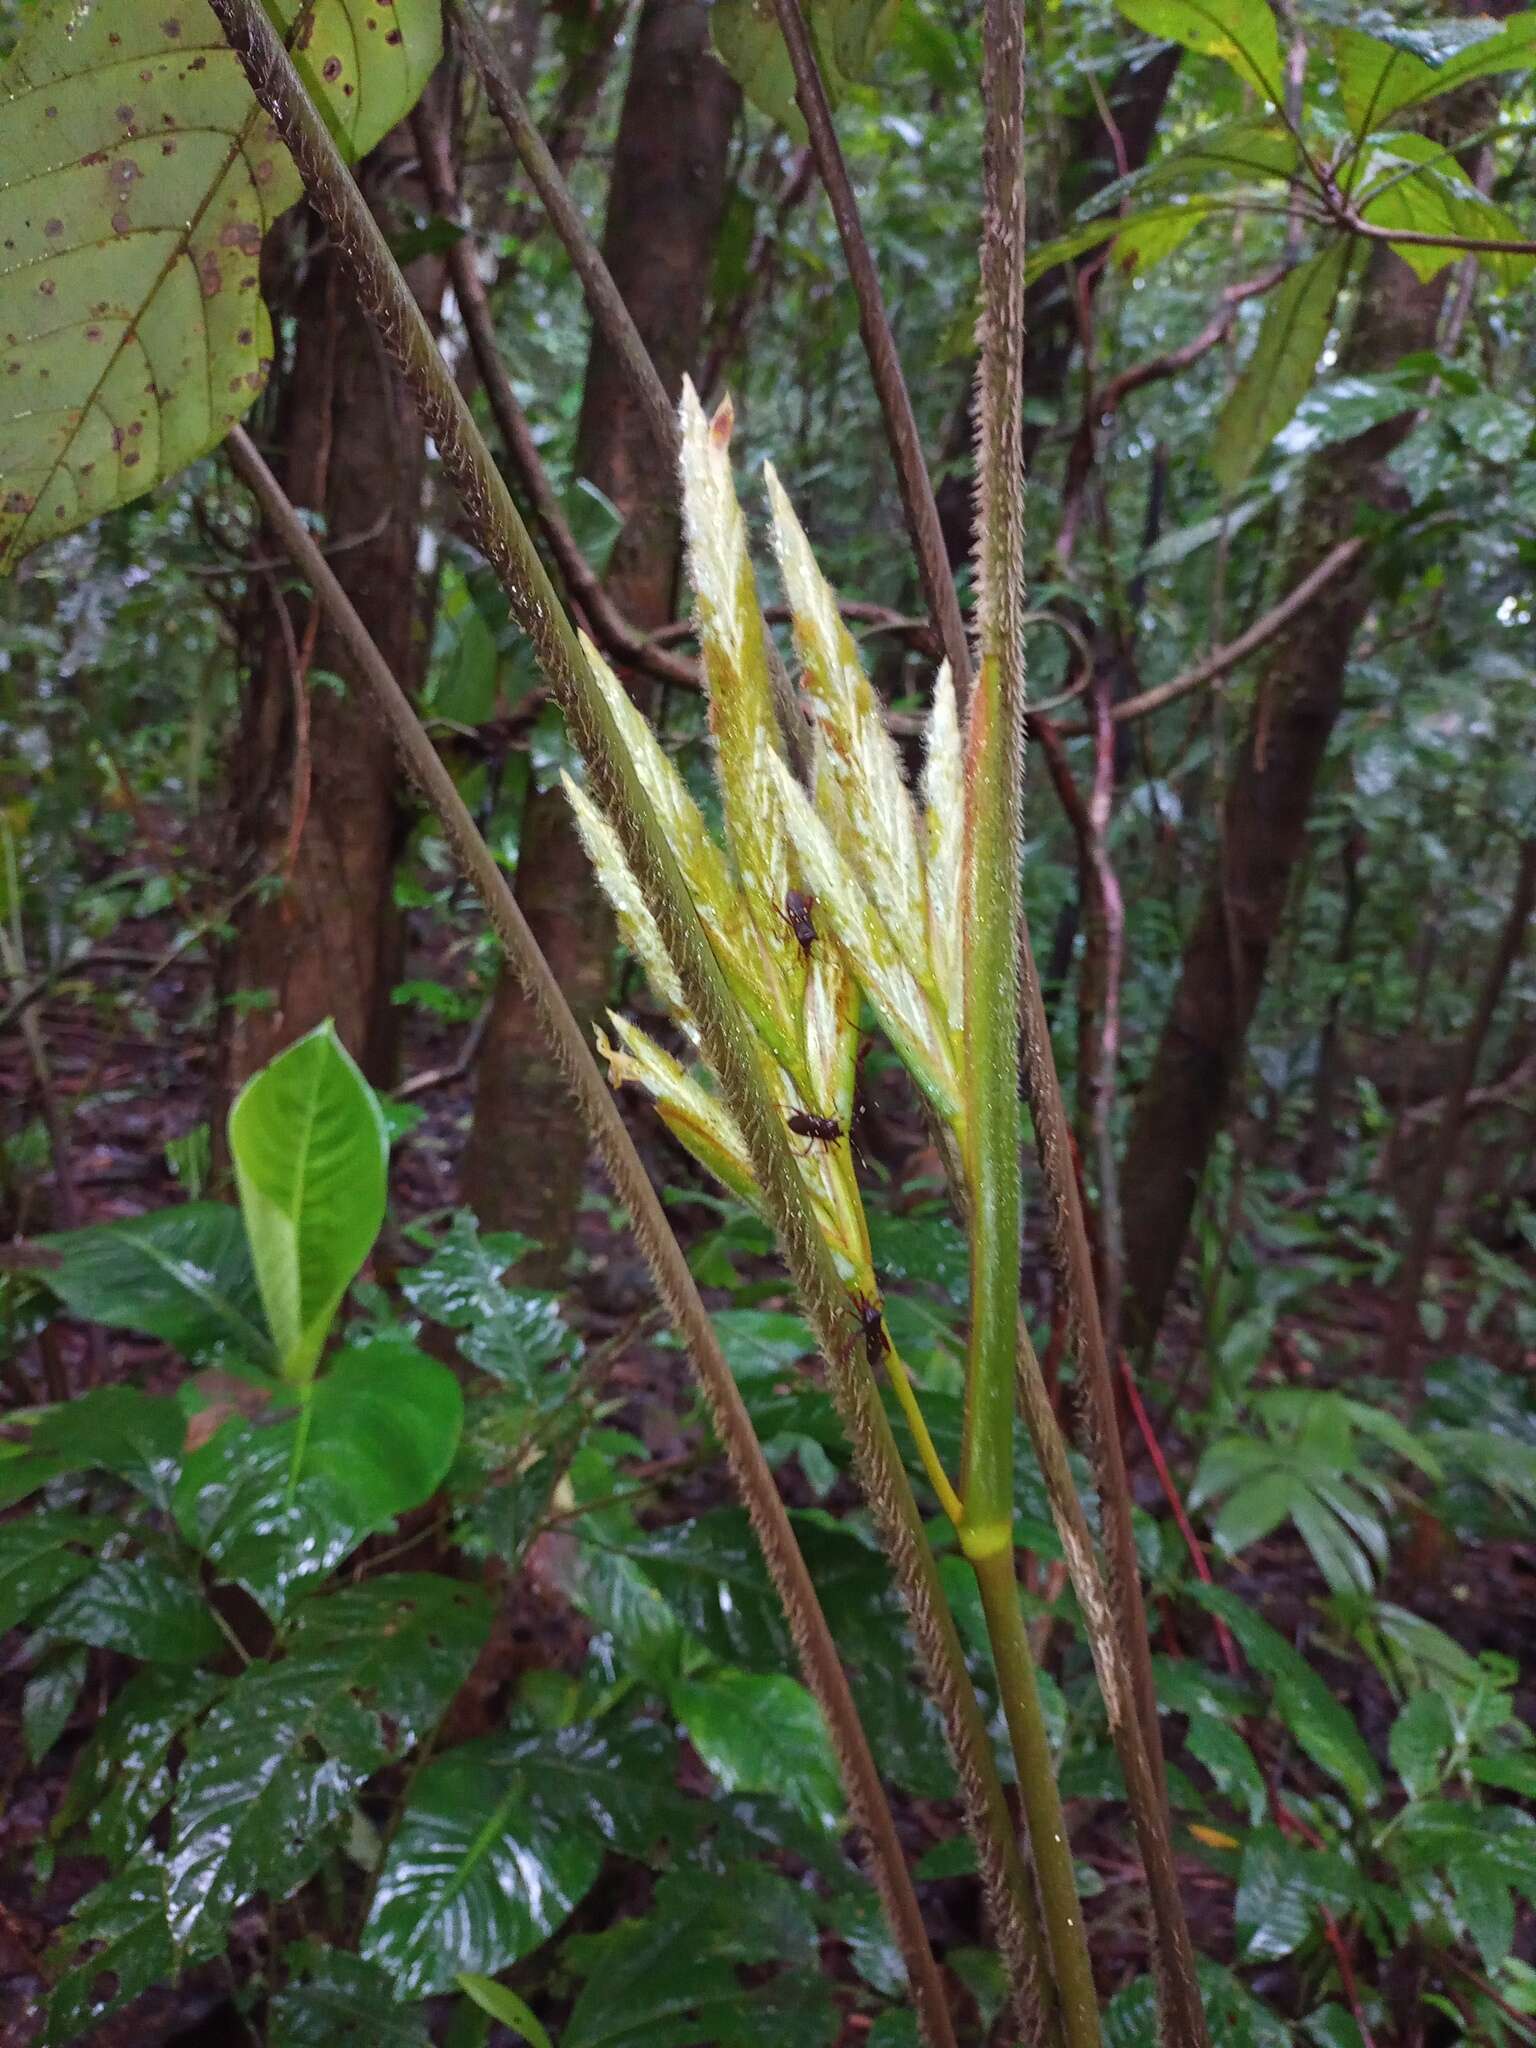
(1048, 1840)
(724, 1035)
(813, 1639)
(922, 512)
(993, 852)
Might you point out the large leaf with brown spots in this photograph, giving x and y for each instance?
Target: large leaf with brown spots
(137, 178)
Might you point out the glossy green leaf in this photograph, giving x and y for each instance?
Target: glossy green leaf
(762, 1733)
(669, 1980)
(134, 329)
(141, 1608)
(49, 1699)
(1275, 378)
(276, 1503)
(1282, 1890)
(136, 1436)
(123, 1778)
(336, 2000)
(465, 1279)
(272, 1771)
(183, 1275)
(311, 1156)
(1241, 33)
(501, 1840)
(504, 2005)
(44, 1555)
(117, 1944)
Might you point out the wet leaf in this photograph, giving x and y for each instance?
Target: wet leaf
(44, 1555)
(141, 1608)
(272, 1771)
(123, 1924)
(500, 1841)
(277, 1503)
(49, 1699)
(183, 1275)
(336, 2000)
(761, 1732)
(123, 1777)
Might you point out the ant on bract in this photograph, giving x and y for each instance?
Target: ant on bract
(816, 1130)
(870, 1312)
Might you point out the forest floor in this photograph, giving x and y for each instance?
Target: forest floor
(129, 1057)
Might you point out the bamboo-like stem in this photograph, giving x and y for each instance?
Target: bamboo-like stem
(604, 300)
(918, 502)
(813, 1639)
(724, 1034)
(994, 773)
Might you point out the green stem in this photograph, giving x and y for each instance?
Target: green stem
(725, 1037)
(1049, 1842)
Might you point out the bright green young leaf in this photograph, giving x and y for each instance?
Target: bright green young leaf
(504, 2005)
(1440, 199)
(277, 1503)
(134, 329)
(311, 1157)
(1241, 33)
(183, 1275)
(1277, 374)
(336, 2000)
(117, 1944)
(272, 1771)
(500, 1842)
(762, 1733)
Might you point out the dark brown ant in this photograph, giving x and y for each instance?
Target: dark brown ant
(797, 915)
(871, 1327)
(816, 1130)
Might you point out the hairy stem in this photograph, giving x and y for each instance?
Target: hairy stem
(604, 300)
(725, 1037)
(922, 512)
(669, 1268)
(994, 837)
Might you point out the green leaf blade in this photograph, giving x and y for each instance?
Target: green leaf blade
(311, 1153)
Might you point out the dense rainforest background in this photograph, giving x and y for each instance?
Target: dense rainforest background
(396, 1575)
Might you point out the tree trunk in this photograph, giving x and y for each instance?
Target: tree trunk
(312, 771)
(666, 200)
(1401, 1349)
(1183, 1103)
